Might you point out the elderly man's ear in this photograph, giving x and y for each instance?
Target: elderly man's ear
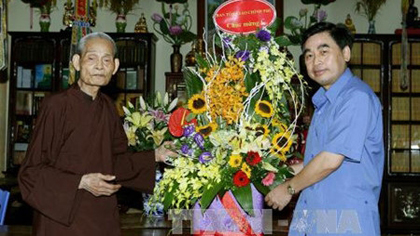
(76, 61)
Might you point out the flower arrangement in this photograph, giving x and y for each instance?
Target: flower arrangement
(147, 127)
(369, 8)
(298, 25)
(173, 26)
(238, 126)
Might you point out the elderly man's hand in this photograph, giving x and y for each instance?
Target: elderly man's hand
(279, 197)
(162, 152)
(99, 184)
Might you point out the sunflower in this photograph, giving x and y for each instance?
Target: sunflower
(246, 169)
(206, 129)
(262, 130)
(264, 109)
(279, 154)
(282, 141)
(197, 104)
(235, 160)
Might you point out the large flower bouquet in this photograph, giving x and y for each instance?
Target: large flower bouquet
(238, 126)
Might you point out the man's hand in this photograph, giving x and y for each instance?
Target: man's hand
(98, 184)
(162, 152)
(279, 197)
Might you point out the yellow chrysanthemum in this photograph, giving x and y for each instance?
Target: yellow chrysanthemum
(246, 169)
(197, 104)
(262, 130)
(264, 109)
(206, 129)
(282, 141)
(235, 161)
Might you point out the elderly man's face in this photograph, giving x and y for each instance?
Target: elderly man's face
(97, 64)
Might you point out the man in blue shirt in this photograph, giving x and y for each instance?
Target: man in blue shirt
(341, 175)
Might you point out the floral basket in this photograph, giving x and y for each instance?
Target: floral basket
(237, 131)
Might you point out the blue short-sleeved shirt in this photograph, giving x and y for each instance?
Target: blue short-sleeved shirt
(347, 120)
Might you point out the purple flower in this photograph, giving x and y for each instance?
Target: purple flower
(186, 149)
(199, 140)
(243, 55)
(175, 30)
(159, 116)
(188, 130)
(264, 35)
(205, 157)
(226, 41)
(320, 15)
(157, 18)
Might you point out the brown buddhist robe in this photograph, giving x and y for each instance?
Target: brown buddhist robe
(75, 135)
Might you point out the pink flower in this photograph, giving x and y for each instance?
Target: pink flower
(268, 179)
(157, 18)
(175, 30)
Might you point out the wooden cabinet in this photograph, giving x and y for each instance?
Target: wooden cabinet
(377, 59)
(175, 85)
(39, 66)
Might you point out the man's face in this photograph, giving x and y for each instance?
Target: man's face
(96, 64)
(324, 59)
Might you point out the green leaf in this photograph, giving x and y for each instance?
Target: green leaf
(261, 188)
(283, 41)
(209, 195)
(169, 197)
(273, 27)
(193, 84)
(201, 61)
(288, 22)
(187, 36)
(164, 27)
(243, 196)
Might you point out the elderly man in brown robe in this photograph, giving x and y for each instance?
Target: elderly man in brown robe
(78, 158)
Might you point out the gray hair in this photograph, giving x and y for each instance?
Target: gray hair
(82, 43)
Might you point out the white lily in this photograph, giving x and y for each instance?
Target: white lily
(142, 104)
(173, 104)
(158, 135)
(165, 100)
(139, 120)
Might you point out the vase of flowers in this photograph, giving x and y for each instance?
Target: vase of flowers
(369, 9)
(235, 134)
(45, 8)
(174, 26)
(298, 25)
(121, 8)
